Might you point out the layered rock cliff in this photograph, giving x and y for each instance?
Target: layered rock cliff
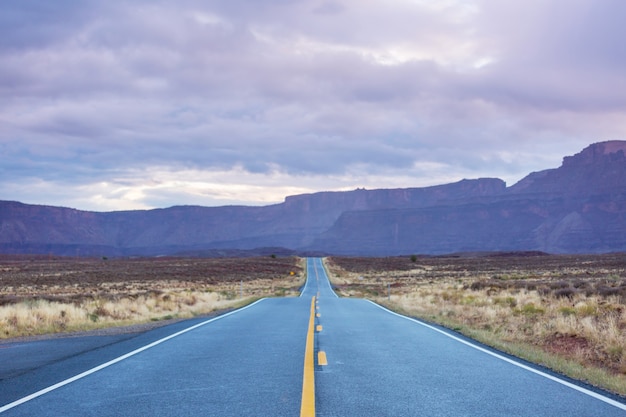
(292, 224)
(578, 207)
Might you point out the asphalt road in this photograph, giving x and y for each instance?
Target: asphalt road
(245, 364)
(250, 362)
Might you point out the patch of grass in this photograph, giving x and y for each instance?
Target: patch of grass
(567, 311)
(530, 309)
(586, 310)
(505, 301)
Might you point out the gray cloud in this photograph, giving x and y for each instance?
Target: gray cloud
(332, 94)
(556, 55)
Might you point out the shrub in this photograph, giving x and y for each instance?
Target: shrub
(567, 311)
(587, 311)
(505, 301)
(606, 291)
(565, 292)
(530, 309)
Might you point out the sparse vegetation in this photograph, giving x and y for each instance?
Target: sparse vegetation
(41, 295)
(565, 312)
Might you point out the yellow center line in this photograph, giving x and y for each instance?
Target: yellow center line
(307, 406)
(321, 358)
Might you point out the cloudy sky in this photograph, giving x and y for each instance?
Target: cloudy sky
(115, 105)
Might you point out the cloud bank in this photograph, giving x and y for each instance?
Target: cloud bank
(122, 105)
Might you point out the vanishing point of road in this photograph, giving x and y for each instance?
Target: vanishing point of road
(312, 355)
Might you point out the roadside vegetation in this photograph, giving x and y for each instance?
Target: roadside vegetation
(567, 313)
(41, 295)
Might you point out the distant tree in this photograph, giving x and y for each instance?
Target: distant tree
(413, 258)
(273, 256)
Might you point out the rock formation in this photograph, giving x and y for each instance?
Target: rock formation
(579, 207)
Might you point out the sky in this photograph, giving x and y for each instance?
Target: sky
(119, 105)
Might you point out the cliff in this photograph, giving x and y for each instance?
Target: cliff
(599, 168)
(292, 224)
(578, 207)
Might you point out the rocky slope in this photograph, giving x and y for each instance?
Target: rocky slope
(578, 207)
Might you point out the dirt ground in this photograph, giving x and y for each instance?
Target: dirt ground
(70, 279)
(561, 275)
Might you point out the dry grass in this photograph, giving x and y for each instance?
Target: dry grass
(568, 313)
(42, 316)
(40, 296)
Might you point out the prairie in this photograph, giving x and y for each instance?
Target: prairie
(41, 295)
(567, 313)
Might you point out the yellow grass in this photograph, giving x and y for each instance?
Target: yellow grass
(41, 316)
(66, 308)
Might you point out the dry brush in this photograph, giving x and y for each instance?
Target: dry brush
(40, 295)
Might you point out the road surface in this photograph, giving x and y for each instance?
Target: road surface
(383, 364)
(250, 363)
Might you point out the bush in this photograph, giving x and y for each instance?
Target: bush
(567, 311)
(530, 309)
(505, 301)
(565, 293)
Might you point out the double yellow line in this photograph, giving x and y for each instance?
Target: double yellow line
(307, 407)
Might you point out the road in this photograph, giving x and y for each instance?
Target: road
(250, 362)
(246, 364)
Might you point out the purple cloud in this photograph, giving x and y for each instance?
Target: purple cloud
(318, 94)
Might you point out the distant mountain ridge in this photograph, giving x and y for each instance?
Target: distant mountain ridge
(579, 207)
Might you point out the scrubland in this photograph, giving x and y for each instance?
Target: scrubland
(567, 313)
(40, 295)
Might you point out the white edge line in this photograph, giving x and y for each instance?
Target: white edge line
(306, 283)
(116, 360)
(511, 361)
(328, 279)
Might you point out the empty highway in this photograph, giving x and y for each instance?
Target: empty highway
(368, 362)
